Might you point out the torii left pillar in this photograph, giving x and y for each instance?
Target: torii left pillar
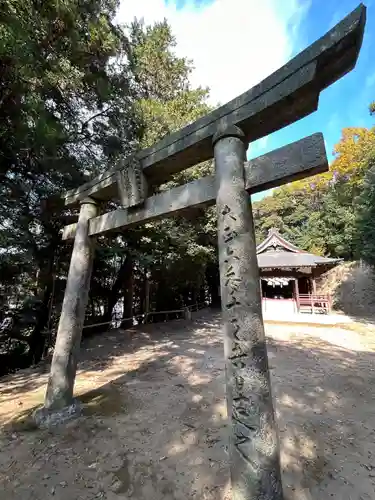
(59, 395)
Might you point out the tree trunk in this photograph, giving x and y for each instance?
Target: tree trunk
(37, 339)
(92, 307)
(147, 295)
(194, 296)
(124, 276)
(202, 294)
(162, 300)
(128, 290)
(213, 284)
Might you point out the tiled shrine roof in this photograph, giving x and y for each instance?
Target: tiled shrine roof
(277, 252)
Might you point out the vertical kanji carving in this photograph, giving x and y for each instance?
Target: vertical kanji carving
(131, 183)
(244, 427)
(254, 452)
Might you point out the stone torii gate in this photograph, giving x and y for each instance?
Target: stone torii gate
(287, 95)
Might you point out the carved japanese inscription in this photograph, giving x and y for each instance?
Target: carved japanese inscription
(255, 471)
(245, 420)
(131, 184)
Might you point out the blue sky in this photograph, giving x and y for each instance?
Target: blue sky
(345, 103)
(234, 44)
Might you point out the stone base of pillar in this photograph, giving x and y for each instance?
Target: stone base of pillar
(45, 418)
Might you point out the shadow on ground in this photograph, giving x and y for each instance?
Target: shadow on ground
(154, 423)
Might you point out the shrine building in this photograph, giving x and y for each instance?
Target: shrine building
(288, 276)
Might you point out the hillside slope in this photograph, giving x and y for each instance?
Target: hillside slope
(352, 286)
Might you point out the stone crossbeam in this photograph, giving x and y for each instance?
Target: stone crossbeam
(297, 160)
(287, 95)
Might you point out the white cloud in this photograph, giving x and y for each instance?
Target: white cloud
(234, 44)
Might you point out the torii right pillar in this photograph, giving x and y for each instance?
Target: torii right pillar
(253, 441)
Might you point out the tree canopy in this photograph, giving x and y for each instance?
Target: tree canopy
(325, 214)
(67, 112)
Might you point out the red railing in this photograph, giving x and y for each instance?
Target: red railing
(314, 302)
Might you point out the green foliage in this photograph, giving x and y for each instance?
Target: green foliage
(328, 214)
(174, 252)
(67, 112)
(366, 217)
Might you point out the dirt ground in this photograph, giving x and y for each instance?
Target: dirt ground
(154, 424)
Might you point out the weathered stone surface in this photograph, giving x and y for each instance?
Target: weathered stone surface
(287, 95)
(64, 362)
(254, 449)
(294, 161)
(45, 418)
(131, 184)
